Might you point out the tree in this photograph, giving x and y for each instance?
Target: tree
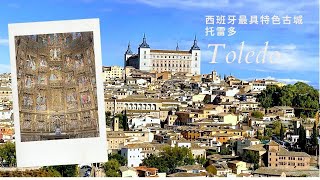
(51, 171)
(111, 168)
(65, 170)
(125, 121)
(300, 95)
(201, 160)
(169, 159)
(276, 127)
(122, 160)
(314, 135)
(211, 169)
(8, 153)
(156, 161)
(281, 132)
(302, 141)
(258, 134)
(251, 157)
(257, 114)
(108, 118)
(120, 117)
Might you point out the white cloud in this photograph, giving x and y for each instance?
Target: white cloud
(292, 58)
(284, 80)
(3, 41)
(5, 68)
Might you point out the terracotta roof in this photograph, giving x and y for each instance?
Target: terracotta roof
(139, 145)
(184, 174)
(268, 171)
(273, 143)
(284, 152)
(191, 167)
(145, 168)
(256, 147)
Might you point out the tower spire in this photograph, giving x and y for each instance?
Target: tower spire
(195, 44)
(144, 43)
(129, 49)
(177, 48)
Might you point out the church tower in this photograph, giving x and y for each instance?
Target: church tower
(115, 124)
(144, 55)
(196, 57)
(127, 54)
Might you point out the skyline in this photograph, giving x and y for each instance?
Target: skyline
(122, 21)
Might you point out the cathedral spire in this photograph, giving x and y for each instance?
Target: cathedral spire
(144, 43)
(129, 49)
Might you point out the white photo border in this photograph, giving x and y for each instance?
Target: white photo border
(68, 151)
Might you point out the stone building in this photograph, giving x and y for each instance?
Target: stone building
(281, 158)
(156, 60)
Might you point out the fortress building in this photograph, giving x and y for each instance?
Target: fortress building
(157, 60)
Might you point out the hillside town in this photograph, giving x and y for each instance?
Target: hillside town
(165, 119)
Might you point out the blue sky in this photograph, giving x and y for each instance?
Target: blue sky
(167, 22)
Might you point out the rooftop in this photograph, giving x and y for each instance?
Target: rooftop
(169, 51)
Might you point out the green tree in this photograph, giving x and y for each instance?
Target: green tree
(122, 160)
(300, 95)
(120, 116)
(201, 160)
(281, 132)
(276, 127)
(169, 159)
(251, 157)
(257, 114)
(302, 141)
(225, 151)
(314, 135)
(108, 118)
(156, 161)
(8, 153)
(111, 168)
(258, 135)
(125, 121)
(52, 171)
(65, 170)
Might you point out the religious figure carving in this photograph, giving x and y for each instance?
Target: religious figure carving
(42, 80)
(43, 62)
(72, 100)
(41, 102)
(85, 100)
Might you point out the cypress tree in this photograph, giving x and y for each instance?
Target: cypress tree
(314, 135)
(281, 133)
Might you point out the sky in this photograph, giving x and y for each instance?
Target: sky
(168, 22)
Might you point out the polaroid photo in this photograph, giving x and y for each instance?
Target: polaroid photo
(58, 98)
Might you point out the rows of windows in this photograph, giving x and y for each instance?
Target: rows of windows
(171, 57)
(282, 158)
(291, 158)
(169, 65)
